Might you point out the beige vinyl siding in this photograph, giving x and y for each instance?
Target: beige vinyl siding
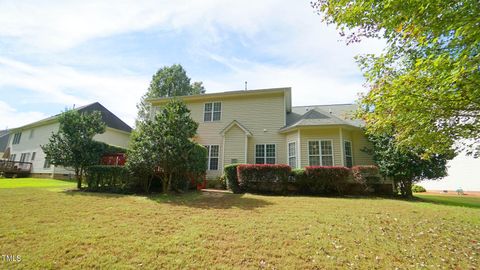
(317, 134)
(114, 137)
(262, 115)
(234, 145)
(359, 142)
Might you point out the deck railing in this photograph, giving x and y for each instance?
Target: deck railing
(9, 166)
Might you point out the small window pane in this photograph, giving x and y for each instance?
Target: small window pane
(313, 148)
(214, 150)
(314, 161)
(217, 106)
(349, 162)
(207, 117)
(327, 160)
(348, 148)
(259, 160)
(270, 160)
(208, 107)
(260, 150)
(270, 150)
(213, 164)
(326, 147)
(216, 116)
(292, 161)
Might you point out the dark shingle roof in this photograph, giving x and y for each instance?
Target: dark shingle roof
(317, 115)
(110, 119)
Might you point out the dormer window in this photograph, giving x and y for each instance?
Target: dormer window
(212, 111)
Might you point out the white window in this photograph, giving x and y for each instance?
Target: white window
(31, 134)
(212, 154)
(13, 157)
(212, 111)
(33, 155)
(292, 157)
(320, 153)
(46, 164)
(25, 157)
(347, 146)
(265, 154)
(16, 138)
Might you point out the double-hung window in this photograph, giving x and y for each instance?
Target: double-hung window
(13, 157)
(16, 138)
(265, 154)
(320, 153)
(212, 111)
(212, 154)
(292, 157)
(347, 146)
(25, 157)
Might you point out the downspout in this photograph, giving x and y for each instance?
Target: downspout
(342, 150)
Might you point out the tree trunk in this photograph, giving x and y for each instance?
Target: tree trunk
(79, 178)
(408, 189)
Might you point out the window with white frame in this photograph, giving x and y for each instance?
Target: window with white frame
(31, 134)
(292, 156)
(265, 154)
(212, 154)
(33, 155)
(46, 164)
(320, 153)
(347, 146)
(13, 157)
(212, 111)
(16, 138)
(25, 157)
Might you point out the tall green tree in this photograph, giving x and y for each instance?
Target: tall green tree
(168, 81)
(163, 145)
(425, 85)
(406, 166)
(73, 145)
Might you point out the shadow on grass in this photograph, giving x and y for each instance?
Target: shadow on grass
(76, 192)
(211, 200)
(470, 202)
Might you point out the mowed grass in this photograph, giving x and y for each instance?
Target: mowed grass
(34, 182)
(460, 200)
(68, 229)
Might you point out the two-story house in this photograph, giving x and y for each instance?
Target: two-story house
(261, 126)
(25, 141)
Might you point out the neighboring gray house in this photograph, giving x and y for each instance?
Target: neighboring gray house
(25, 141)
(4, 135)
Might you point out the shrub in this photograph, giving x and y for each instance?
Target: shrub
(324, 179)
(367, 176)
(271, 178)
(108, 178)
(230, 174)
(418, 189)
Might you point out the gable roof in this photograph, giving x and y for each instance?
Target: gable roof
(235, 123)
(110, 119)
(322, 115)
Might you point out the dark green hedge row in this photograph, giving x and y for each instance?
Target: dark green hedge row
(264, 178)
(108, 178)
(230, 174)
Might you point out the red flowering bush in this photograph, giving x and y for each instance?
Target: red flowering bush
(366, 175)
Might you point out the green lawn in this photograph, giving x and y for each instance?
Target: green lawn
(34, 182)
(460, 200)
(66, 229)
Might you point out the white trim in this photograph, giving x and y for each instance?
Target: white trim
(320, 151)
(288, 154)
(213, 109)
(265, 157)
(246, 148)
(342, 150)
(299, 149)
(238, 124)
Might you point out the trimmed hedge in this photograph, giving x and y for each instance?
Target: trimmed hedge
(323, 180)
(367, 176)
(269, 178)
(108, 178)
(230, 174)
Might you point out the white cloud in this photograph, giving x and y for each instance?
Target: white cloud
(68, 86)
(10, 117)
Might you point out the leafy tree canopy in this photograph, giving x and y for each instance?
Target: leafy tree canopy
(168, 81)
(163, 145)
(424, 87)
(406, 166)
(73, 145)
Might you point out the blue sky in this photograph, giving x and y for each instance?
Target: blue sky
(55, 54)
